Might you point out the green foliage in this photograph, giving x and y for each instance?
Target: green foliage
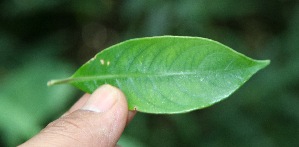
(26, 102)
(263, 112)
(167, 74)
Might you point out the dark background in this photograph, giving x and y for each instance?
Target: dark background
(49, 39)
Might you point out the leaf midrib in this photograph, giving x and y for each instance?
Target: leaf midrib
(135, 75)
(118, 76)
(130, 75)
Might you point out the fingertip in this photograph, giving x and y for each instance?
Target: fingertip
(79, 104)
(89, 121)
(103, 99)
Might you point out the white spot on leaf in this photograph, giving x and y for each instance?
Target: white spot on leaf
(102, 61)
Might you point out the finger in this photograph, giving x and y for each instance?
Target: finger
(78, 104)
(99, 122)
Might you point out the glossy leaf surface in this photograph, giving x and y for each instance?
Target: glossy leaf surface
(168, 74)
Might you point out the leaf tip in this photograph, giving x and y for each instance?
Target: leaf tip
(264, 63)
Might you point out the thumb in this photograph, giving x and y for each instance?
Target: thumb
(98, 122)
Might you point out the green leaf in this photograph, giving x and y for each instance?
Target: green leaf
(167, 74)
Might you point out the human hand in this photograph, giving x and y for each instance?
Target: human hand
(94, 120)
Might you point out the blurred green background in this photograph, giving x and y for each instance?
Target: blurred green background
(48, 39)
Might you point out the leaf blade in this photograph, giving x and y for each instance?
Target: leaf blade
(168, 74)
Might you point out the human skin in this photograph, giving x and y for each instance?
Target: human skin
(94, 120)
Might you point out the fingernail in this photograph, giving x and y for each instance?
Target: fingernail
(102, 99)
